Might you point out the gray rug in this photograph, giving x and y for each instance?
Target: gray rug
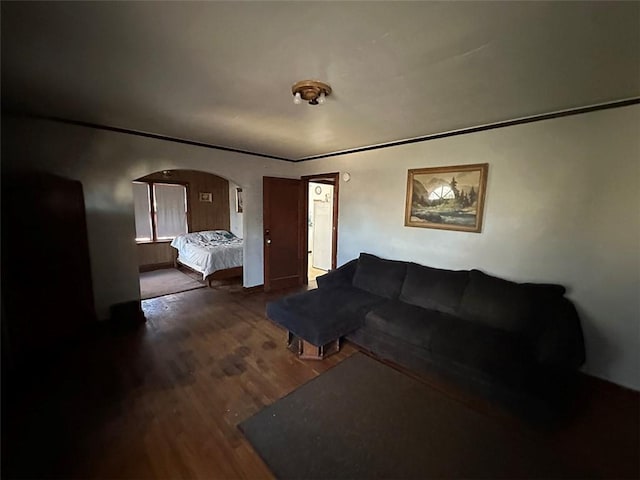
(166, 281)
(363, 419)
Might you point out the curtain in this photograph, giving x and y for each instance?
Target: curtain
(142, 211)
(171, 210)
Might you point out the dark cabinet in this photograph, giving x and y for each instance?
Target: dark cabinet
(47, 293)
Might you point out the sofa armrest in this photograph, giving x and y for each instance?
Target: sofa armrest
(561, 343)
(341, 276)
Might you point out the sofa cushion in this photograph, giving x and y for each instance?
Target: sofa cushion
(378, 276)
(323, 315)
(405, 322)
(509, 306)
(391, 348)
(341, 276)
(487, 353)
(434, 288)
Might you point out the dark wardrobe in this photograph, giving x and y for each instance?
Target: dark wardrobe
(47, 294)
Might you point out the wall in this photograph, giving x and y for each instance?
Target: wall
(562, 206)
(155, 255)
(106, 163)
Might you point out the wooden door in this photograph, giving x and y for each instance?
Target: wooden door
(282, 220)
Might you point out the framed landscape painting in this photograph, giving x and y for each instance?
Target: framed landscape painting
(450, 198)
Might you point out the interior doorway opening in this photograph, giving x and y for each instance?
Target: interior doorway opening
(321, 193)
(202, 209)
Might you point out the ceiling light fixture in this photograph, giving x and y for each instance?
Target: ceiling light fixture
(310, 91)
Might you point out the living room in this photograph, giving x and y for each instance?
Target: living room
(561, 202)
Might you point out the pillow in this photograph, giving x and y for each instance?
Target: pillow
(433, 288)
(181, 240)
(506, 305)
(379, 276)
(192, 237)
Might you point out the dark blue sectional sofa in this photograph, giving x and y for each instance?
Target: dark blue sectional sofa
(520, 343)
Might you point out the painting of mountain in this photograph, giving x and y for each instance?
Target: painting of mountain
(420, 193)
(450, 198)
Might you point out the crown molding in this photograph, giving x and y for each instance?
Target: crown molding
(350, 151)
(479, 128)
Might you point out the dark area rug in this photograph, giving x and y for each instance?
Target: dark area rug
(363, 419)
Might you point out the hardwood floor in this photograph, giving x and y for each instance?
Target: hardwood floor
(159, 402)
(163, 400)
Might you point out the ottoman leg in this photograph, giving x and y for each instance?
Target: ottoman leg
(311, 352)
(294, 343)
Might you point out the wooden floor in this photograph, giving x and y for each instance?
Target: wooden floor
(164, 400)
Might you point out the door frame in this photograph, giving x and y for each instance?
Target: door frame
(332, 178)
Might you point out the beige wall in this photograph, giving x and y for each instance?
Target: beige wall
(562, 206)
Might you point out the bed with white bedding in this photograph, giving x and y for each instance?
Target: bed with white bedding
(213, 253)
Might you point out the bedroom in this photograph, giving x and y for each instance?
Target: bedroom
(186, 201)
(383, 81)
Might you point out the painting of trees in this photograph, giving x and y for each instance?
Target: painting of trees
(446, 197)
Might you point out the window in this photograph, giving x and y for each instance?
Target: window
(142, 208)
(160, 211)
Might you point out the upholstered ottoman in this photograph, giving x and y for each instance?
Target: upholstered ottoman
(317, 319)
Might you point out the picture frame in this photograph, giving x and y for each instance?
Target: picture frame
(206, 197)
(239, 201)
(447, 198)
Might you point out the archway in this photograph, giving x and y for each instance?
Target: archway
(189, 230)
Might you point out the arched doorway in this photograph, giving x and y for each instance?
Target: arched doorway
(184, 221)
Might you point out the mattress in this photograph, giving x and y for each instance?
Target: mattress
(209, 251)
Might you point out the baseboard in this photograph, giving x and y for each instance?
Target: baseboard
(255, 288)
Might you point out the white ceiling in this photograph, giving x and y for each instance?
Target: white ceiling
(221, 73)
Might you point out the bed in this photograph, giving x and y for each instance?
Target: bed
(216, 254)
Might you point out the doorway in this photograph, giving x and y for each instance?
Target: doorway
(171, 203)
(288, 230)
(322, 224)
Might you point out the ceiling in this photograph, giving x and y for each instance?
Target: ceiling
(221, 72)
